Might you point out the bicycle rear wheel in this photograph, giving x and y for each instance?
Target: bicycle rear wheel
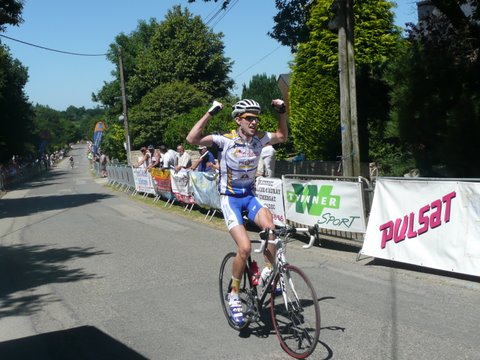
(225, 281)
(296, 313)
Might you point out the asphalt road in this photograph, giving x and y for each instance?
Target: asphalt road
(87, 272)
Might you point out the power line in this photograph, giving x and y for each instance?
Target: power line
(50, 49)
(80, 54)
(259, 61)
(210, 17)
(220, 9)
(225, 13)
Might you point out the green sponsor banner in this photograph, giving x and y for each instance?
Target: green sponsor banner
(335, 205)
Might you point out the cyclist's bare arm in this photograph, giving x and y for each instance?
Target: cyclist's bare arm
(281, 135)
(195, 136)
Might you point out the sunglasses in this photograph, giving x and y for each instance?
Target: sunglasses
(251, 118)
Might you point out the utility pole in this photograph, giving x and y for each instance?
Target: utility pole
(348, 94)
(124, 115)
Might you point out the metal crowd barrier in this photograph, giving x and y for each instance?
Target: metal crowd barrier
(121, 176)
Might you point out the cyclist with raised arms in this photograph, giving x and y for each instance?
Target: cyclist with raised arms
(239, 153)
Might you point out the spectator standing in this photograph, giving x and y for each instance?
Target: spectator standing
(168, 157)
(144, 160)
(156, 157)
(206, 157)
(184, 161)
(266, 165)
(103, 165)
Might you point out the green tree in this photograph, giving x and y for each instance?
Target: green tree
(132, 47)
(150, 118)
(169, 68)
(290, 27)
(16, 118)
(263, 89)
(178, 129)
(314, 91)
(61, 131)
(113, 142)
(467, 23)
(10, 13)
(183, 48)
(436, 98)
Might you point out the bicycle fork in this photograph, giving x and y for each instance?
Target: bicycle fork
(284, 277)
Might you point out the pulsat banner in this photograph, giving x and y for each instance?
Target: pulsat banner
(335, 205)
(435, 224)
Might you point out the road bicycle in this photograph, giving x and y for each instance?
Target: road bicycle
(295, 312)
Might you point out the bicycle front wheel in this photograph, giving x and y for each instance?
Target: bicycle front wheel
(225, 282)
(296, 313)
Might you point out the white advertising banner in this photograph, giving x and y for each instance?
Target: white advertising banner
(435, 224)
(143, 181)
(204, 187)
(181, 186)
(335, 205)
(269, 192)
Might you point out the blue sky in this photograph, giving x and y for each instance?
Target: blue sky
(90, 26)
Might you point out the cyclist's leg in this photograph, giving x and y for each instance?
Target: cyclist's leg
(264, 220)
(240, 235)
(232, 210)
(225, 281)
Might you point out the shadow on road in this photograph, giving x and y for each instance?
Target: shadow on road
(81, 343)
(421, 269)
(26, 267)
(44, 178)
(29, 205)
(265, 328)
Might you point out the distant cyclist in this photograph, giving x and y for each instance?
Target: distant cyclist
(71, 161)
(239, 153)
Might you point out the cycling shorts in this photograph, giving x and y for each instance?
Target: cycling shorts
(233, 208)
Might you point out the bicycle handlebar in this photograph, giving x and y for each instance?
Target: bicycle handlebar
(285, 231)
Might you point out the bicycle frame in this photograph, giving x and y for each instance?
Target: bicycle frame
(295, 313)
(278, 266)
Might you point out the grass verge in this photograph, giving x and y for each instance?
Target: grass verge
(197, 214)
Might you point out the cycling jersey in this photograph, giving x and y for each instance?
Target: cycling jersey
(238, 161)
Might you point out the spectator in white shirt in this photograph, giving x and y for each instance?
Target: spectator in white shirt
(168, 157)
(266, 165)
(184, 161)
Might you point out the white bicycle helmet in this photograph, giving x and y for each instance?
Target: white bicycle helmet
(245, 106)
